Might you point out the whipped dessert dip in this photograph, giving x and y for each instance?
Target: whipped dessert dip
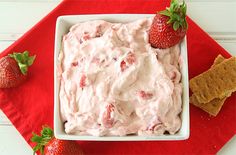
(113, 83)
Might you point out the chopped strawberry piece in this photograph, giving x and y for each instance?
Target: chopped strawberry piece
(107, 119)
(144, 95)
(129, 60)
(86, 37)
(110, 107)
(123, 65)
(82, 82)
(74, 64)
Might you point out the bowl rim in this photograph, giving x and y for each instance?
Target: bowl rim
(60, 134)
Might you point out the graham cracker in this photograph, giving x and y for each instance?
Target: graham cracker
(218, 60)
(213, 107)
(217, 82)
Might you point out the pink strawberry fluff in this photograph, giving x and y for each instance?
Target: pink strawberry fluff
(113, 83)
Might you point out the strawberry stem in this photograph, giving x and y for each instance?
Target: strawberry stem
(23, 60)
(46, 136)
(177, 14)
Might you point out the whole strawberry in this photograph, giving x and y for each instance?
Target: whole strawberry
(47, 144)
(13, 69)
(169, 26)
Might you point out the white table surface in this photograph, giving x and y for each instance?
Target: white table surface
(217, 17)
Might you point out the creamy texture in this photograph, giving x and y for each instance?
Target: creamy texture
(112, 82)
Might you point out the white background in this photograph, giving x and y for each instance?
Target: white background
(217, 17)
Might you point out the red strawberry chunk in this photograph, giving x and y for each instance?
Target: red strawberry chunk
(82, 81)
(86, 37)
(123, 65)
(144, 95)
(107, 119)
(129, 60)
(74, 64)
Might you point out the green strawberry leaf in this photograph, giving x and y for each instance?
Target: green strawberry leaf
(26, 54)
(23, 68)
(46, 136)
(36, 148)
(185, 24)
(36, 138)
(174, 5)
(170, 21)
(176, 26)
(23, 60)
(41, 150)
(177, 14)
(30, 61)
(165, 12)
(184, 8)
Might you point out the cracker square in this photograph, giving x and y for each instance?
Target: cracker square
(213, 107)
(217, 82)
(218, 60)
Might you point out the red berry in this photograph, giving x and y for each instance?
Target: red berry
(62, 147)
(13, 69)
(47, 144)
(10, 74)
(168, 26)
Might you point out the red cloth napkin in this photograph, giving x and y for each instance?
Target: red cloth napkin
(30, 106)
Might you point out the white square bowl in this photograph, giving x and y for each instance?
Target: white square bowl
(62, 27)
